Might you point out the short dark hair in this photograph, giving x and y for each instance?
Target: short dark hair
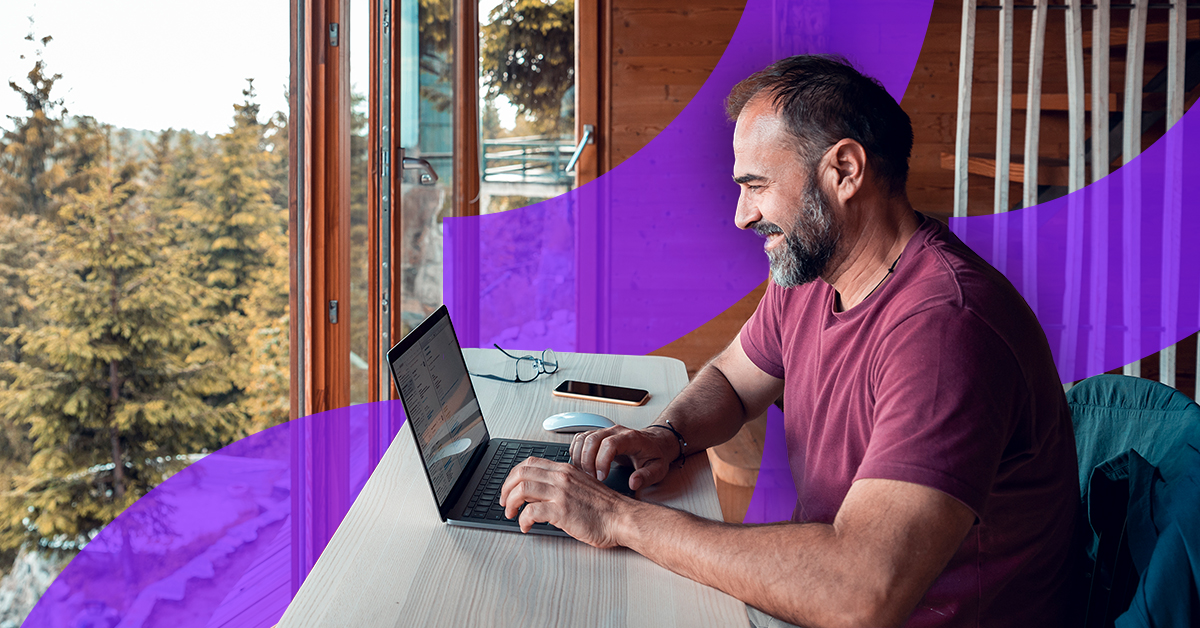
(823, 99)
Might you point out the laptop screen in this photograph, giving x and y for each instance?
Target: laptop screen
(439, 401)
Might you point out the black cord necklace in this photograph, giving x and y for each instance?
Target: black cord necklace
(888, 274)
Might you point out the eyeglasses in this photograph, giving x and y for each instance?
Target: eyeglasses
(525, 368)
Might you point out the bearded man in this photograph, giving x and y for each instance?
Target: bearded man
(927, 432)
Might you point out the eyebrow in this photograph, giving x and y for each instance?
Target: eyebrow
(747, 178)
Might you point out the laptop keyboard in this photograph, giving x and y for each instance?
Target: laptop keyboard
(485, 503)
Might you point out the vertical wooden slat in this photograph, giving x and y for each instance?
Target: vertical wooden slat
(1135, 59)
(1033, 117)
(1101, 20)
(1131, 145)
(1077, 132)
(588, 89)
(1033, 102)
(962, 134)
(1004, 107)
(320, 483)
(593, 94)
(466, 108)
(1075, 95)
(1176, 55)
(1173, 191)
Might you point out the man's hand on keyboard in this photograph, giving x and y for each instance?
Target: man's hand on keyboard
(565, 497)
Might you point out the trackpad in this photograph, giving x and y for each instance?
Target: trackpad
(618, 479)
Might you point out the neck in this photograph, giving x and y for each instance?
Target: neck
(873, 246)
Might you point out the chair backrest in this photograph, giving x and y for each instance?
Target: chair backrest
(1114, 413)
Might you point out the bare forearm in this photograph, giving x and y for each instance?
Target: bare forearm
(801, 573)
(708, 412)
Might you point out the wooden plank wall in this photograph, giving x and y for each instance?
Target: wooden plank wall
(931, 98)
(662, 51)
(660, 54)
(930, 102)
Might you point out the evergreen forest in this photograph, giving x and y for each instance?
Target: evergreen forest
(144, 278)
(143, 307)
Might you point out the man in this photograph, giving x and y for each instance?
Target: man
(927, 432)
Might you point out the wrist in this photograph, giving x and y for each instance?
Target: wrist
(665, 441)
(629, 517)
(681, 445)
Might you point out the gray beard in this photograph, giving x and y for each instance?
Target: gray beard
(810, 244)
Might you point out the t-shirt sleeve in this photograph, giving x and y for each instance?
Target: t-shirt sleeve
(760, 335)
(948, 395)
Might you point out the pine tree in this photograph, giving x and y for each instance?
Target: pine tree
(231, 228)
(528, 54)
(237, 208)
(25, 180)
(21, 249)
(110, 388)
(262, 368)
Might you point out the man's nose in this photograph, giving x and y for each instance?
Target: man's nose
(747, 214)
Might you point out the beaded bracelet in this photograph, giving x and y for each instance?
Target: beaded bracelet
(678, 436)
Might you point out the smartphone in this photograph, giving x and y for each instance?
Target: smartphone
(602, 392)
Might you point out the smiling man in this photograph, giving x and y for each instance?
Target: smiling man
(927, 432)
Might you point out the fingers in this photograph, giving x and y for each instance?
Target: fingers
(535, 512)
(652, 473)
(589, 444)
(529, 491)
(531, 470)
(609, 449)
(577, 449)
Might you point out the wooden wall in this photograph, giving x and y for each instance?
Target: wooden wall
(659, 55)
(662, 51)
(931, 99)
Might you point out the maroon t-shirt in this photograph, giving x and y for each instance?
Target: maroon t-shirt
(942, 377)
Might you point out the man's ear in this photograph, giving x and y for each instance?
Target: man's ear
(847, 168)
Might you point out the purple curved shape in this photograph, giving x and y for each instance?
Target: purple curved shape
(227, 540)
(648, 252)
(1107, 268)
(216, 544)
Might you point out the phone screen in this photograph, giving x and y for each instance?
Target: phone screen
(602, 391)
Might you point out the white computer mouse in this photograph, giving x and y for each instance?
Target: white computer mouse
(571, 422)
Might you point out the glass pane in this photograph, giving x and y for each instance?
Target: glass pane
(422, 207)
(360, 83)
(143, 256)
(527, 101)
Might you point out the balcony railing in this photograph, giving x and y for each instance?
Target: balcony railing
(532, 159)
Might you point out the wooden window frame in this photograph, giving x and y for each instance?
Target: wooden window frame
(319, 208)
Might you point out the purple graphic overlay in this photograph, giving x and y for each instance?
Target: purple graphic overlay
(217, 544)
(1106, 269)
(627, 264)
(649, 252)
(774, 496)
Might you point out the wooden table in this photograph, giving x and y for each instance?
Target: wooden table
(392, 562)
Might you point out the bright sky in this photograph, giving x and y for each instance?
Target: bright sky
(154, 64)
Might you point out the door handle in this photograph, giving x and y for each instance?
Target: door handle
(588, 131)
(428, 174)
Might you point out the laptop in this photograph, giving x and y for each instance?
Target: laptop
(465, 466)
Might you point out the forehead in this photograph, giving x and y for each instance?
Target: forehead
(761, 139)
